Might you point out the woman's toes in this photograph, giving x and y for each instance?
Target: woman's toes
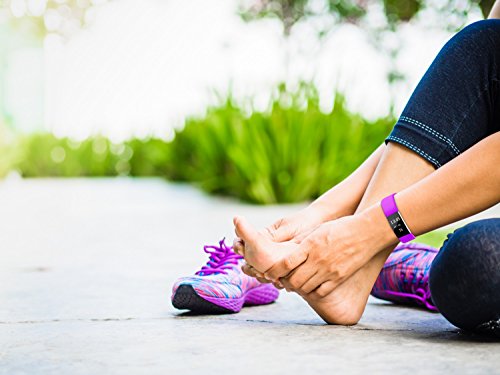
(245, 230)
(238, 246)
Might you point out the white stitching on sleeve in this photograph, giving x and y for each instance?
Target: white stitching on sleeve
(432, 131)
(416, 149)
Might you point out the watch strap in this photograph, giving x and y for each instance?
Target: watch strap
(390, 207)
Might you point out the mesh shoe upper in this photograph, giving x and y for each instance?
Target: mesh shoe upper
(405, 275)
(221, 277)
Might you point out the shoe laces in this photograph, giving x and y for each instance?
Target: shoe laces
(417, 282)
(221, 259)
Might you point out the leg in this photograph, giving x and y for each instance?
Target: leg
(456, 104)
(398, 169)
(458, 96)
(465, 277)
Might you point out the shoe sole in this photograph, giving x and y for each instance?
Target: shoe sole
(186, 298)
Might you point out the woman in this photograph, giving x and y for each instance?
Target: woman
(442, 161)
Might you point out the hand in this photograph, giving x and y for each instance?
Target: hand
(250, 271)
(330, 255)
(294, 228)
(259, 251)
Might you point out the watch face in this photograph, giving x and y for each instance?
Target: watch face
(397, 225)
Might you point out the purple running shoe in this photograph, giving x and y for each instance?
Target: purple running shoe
(405, 276)
(220, 287)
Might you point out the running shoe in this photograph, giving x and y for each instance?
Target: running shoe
(405, 276)
(221, 287)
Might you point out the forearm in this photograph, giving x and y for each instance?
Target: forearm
(343, 198)
(468, 184)
(495, 11)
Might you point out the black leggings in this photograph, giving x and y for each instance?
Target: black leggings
(465, 277)
(456, 105)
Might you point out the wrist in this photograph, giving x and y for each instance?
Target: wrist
(376, 228)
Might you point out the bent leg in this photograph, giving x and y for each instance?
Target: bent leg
(455, 105)
(461, 114)
(465, 277)
(398, 169)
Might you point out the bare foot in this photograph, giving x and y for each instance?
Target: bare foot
(346, 304)
(260, 252)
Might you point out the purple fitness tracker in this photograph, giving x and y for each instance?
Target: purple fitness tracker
(395, 219)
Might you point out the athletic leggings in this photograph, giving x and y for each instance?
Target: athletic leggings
(456, 105)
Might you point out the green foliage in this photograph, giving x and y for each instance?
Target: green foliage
(435, 238)
(290, 153)
(290, 12)
(397, 10)
(44, 155)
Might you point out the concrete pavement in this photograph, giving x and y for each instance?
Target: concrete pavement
(85, 273)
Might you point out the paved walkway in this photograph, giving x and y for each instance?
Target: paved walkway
(85, 272)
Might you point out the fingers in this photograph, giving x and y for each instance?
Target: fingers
(303, 235)
(250, 271)
(286, 285)
(239, 246)
(278, 285)
(323, 290)
(299, 277)
(279, 231)
(287, 264)
(313, 283)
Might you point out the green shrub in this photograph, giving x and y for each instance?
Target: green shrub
(150, 157)
(42, 155)
(290, 153)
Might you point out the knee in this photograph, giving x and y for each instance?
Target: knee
(484, 34)
(465, 275)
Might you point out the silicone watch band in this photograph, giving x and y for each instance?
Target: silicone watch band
(390, 208)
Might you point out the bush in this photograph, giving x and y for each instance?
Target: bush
(291, 153)
(42, 155)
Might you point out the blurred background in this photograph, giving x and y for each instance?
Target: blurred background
(268, 101)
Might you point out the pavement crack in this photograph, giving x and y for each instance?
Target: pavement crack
(43, 321)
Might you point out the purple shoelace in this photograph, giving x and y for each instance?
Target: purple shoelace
(421, 294)
(222, 257)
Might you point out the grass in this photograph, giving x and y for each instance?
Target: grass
(434, 238)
